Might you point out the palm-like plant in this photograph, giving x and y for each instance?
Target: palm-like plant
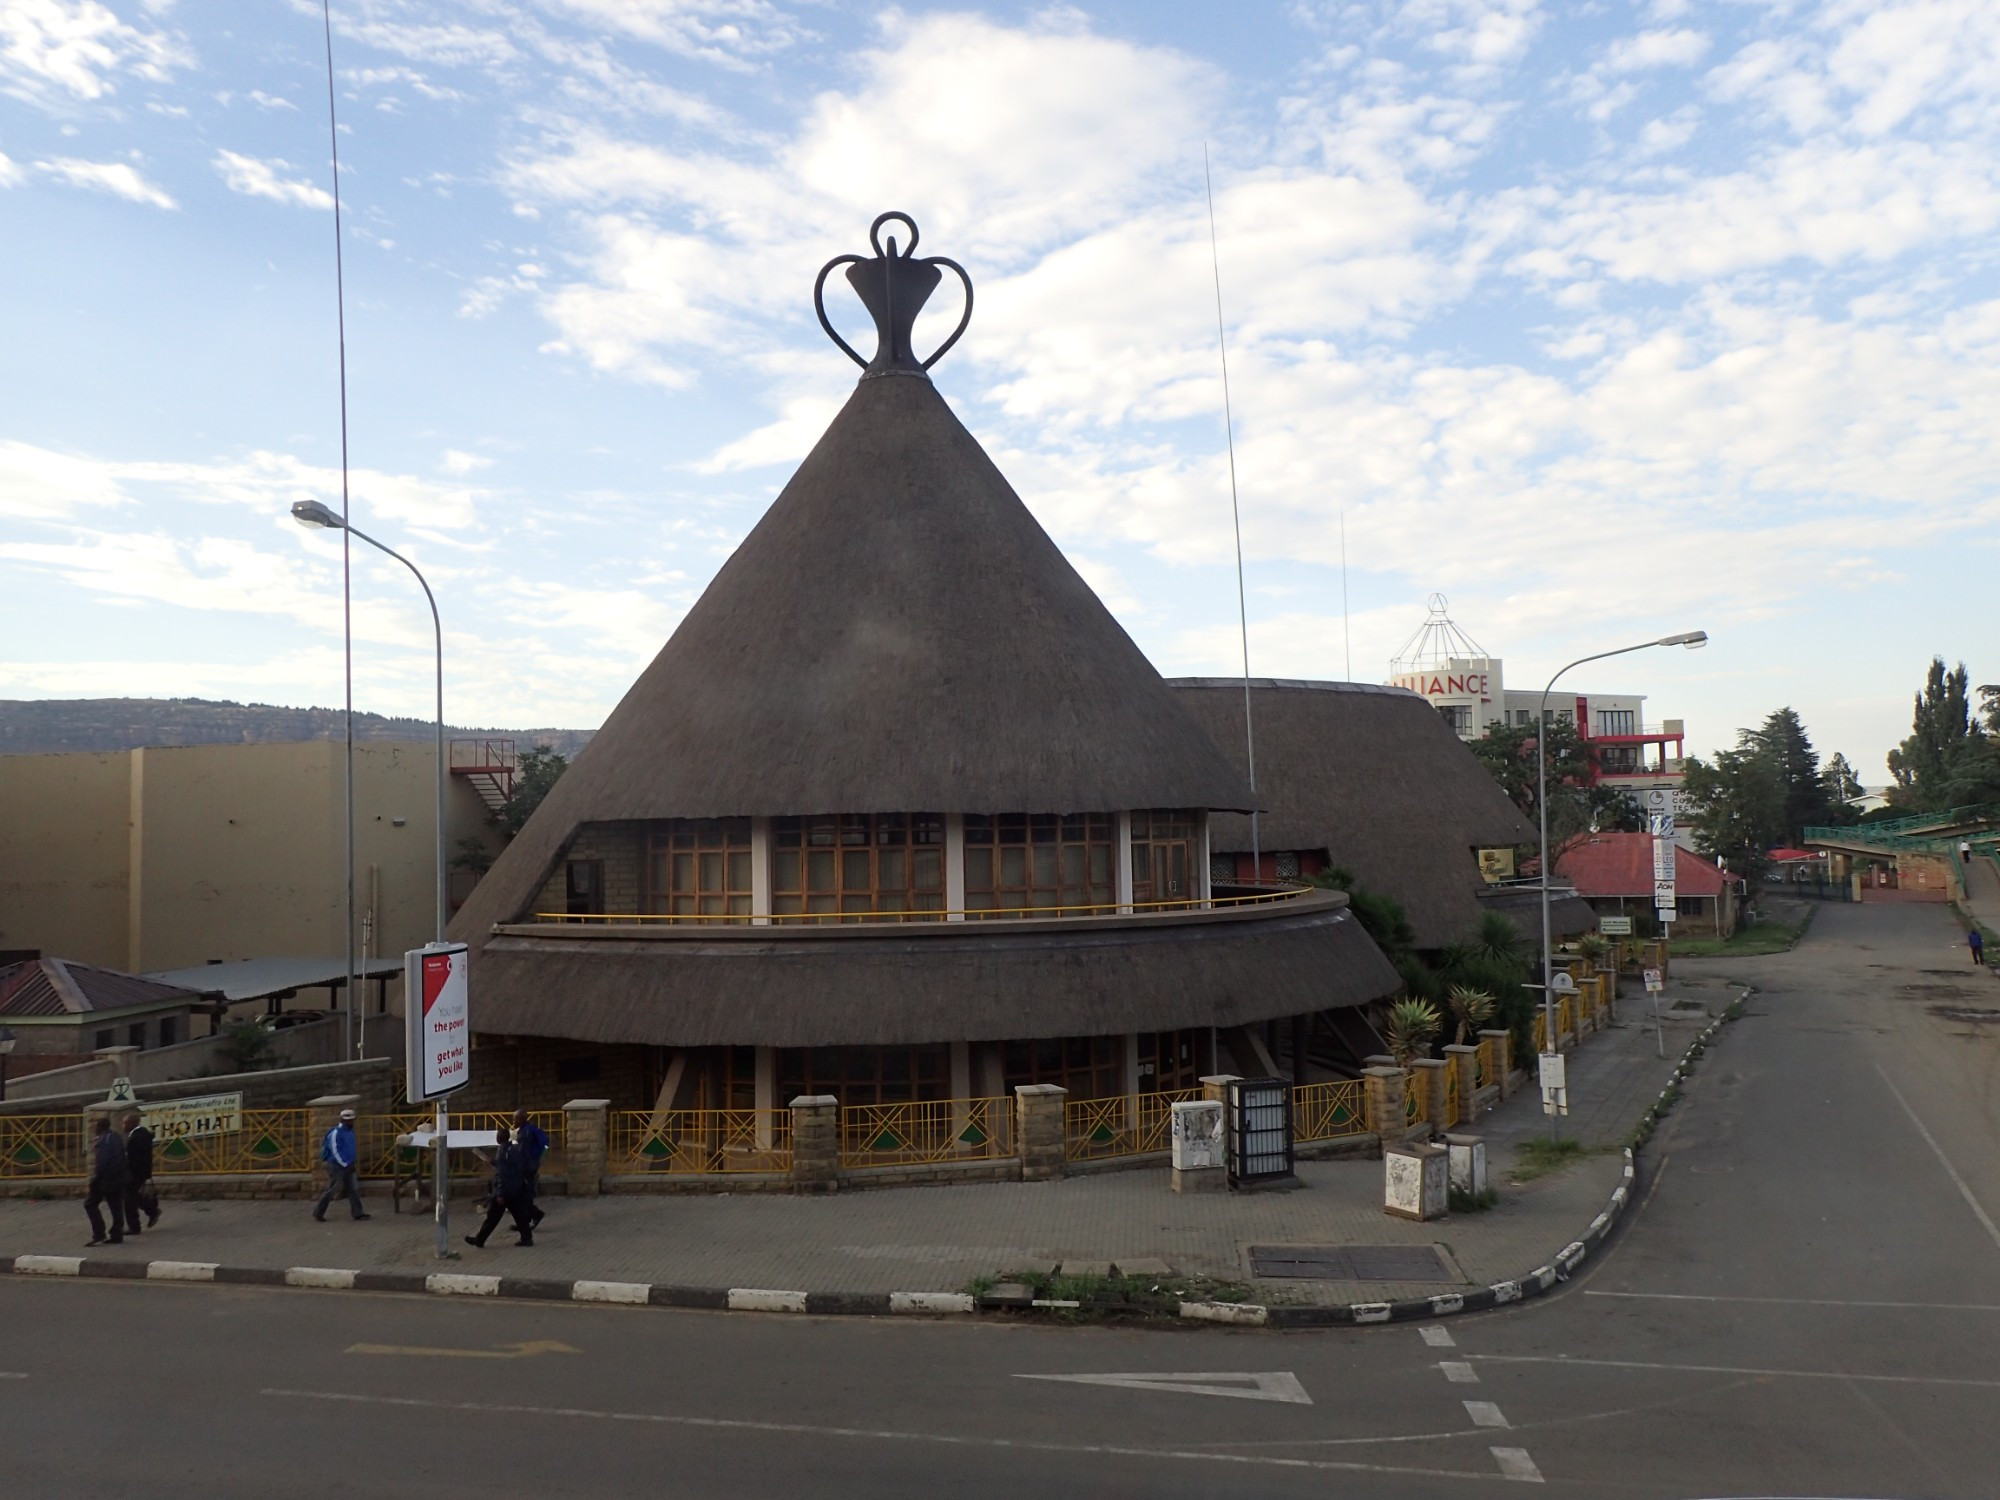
(1497, 938)
(1413, 1026)
(1473, 1008)
(1593, 948)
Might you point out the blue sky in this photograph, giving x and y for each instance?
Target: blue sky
(1606, 320)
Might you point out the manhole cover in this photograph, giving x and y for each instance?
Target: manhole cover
(1350, 1263)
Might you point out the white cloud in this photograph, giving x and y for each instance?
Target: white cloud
(717, 30)
(271, 101)
(58, 52)
(1677, 48)
(115, 177)
(260, 179)
(11, 174)
(457, 461)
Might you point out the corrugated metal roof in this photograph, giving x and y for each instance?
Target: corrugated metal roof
(259, 978)
(58, 987)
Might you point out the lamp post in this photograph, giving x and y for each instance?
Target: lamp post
(312, 513)
(1692, 639)
(6, 1051)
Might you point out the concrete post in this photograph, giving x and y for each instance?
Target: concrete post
(118, 1062)
(1215, 1087)
(1427, 1073)
(815, 1143)
(586, 1145)
(1038, 1112)
(1502, 1054)
(1466, 1061)
(1382, 1102)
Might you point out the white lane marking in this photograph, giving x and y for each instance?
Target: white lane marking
(48, 1265)
(1633, 1364)
(1485, 1414)
(1992, 1229)
(941, 1439)
(13, 1375)
(1458, 1372)
(319, 1276)
(1515, 1464)
(180, 1270)
(756, 1299)
(1250, 1385)
(1805, 1301)
(634, 1292)
(1439, 1338)
(461, 1284)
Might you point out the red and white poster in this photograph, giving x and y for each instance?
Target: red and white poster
(438, 1021)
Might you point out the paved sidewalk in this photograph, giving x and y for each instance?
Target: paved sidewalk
(928, 1239)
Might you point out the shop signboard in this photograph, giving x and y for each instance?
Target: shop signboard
(438, 1036)
(1615, 926)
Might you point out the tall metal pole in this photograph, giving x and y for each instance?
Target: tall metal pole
(355, 1041)
(1235, 517)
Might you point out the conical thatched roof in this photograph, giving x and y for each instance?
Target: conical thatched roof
(897, 634)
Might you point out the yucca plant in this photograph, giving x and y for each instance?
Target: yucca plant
(1593, 947)
(1413, 1026)
(1474, 1010)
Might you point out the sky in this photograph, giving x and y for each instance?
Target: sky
(1604, 320)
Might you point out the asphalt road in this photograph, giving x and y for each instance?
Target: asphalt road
(1807, 1302)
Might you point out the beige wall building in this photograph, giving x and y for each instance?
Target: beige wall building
(156, 859)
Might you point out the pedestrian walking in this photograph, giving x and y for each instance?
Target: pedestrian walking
(140, 1192)
(1977, 943)
(108, 1180)
(534, 1144)
(1965, 851)
(513, 1193)
(342, 1157)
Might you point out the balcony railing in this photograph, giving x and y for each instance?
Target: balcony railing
(1262, 897)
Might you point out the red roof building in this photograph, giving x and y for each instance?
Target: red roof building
(1614, 873)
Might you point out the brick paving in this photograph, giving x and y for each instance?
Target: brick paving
(940, 1238)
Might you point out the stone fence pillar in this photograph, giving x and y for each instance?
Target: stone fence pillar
(1382, 1103)
(1427, 1074)
(1038, 1109)
(1215, 1087)
(1501, 1051)
(815, 1143)
(586, 1145)
(1465, 1062)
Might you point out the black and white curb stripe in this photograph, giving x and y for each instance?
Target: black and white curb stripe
(1500, 1293)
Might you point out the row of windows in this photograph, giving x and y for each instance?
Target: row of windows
(853, 865)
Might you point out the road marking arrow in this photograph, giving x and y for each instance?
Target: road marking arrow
(1248, 1385)
(499, 1351)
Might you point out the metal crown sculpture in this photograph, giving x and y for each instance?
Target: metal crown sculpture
(894, 289)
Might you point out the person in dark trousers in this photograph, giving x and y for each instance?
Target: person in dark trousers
(140, 1193)
(513, 1192)
(341, 1156)
(1977, 944)
(108, 1180)
(1965, 851)
(534, 1144)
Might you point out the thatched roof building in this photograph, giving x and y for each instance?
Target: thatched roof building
(895, 715)
(1371, 779)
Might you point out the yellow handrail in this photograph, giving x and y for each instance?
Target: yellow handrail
(1101, 908)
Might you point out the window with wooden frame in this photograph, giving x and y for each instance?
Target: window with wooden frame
(1169, 1060)
(866, 1075)
(856, 865)
(1019, 863)
(1090, 1067)
(1163, 856)
(698, 867)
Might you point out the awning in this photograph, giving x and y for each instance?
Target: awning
(260, 978)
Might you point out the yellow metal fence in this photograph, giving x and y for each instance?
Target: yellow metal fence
(1327, 1111)
(699, 1142)
(933, 1130)
(1454, 1106)
(1124, 1125)
(43, 1146)
(271, 1140)
(380, 1156)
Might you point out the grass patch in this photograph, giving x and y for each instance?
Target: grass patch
(1118, 1296)
(1463, 1202)
(1539, 1157)
(1745, 942)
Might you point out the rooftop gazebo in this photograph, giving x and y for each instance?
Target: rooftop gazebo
(899, 812)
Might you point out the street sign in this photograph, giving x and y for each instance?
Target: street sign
(1615, 926)
(437, 1021)
(184, 1119)
(1663, 893)
(1555, 1092)
(1663, 859)
(1665, 913)
(1654, 984)
(1660, 825)
(1561, 982)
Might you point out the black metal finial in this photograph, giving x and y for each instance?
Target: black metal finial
(893, 287)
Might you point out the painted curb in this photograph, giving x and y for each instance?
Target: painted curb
(877, 1304)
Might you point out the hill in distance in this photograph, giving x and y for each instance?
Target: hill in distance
(34, 726)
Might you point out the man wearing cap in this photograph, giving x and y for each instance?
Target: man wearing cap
(340, 1154)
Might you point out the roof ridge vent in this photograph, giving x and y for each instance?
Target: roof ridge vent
(893, 287)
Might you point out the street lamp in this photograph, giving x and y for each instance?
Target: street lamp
(1693, 640)
(6, 1050)
(313, 514)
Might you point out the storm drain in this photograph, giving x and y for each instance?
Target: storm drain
(1350, 1263)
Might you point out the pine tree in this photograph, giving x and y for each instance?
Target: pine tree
(1781, 743)
(1948, 758)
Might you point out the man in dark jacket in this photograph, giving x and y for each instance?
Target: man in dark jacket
(513, 1193)
(534, 1144)
(139, 1169)
(108, 1180)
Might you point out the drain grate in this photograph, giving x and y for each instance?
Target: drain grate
(1350, 1263)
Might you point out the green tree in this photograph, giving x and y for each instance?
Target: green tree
(1576, 806)
(536, 774)
(1780, 742)
(1739, 807)
(1948, 759)
(1842, 785)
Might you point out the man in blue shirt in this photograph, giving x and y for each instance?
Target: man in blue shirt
(533, 1142)
(341, 1156)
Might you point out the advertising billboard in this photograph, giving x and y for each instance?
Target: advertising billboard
(437, 1021)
